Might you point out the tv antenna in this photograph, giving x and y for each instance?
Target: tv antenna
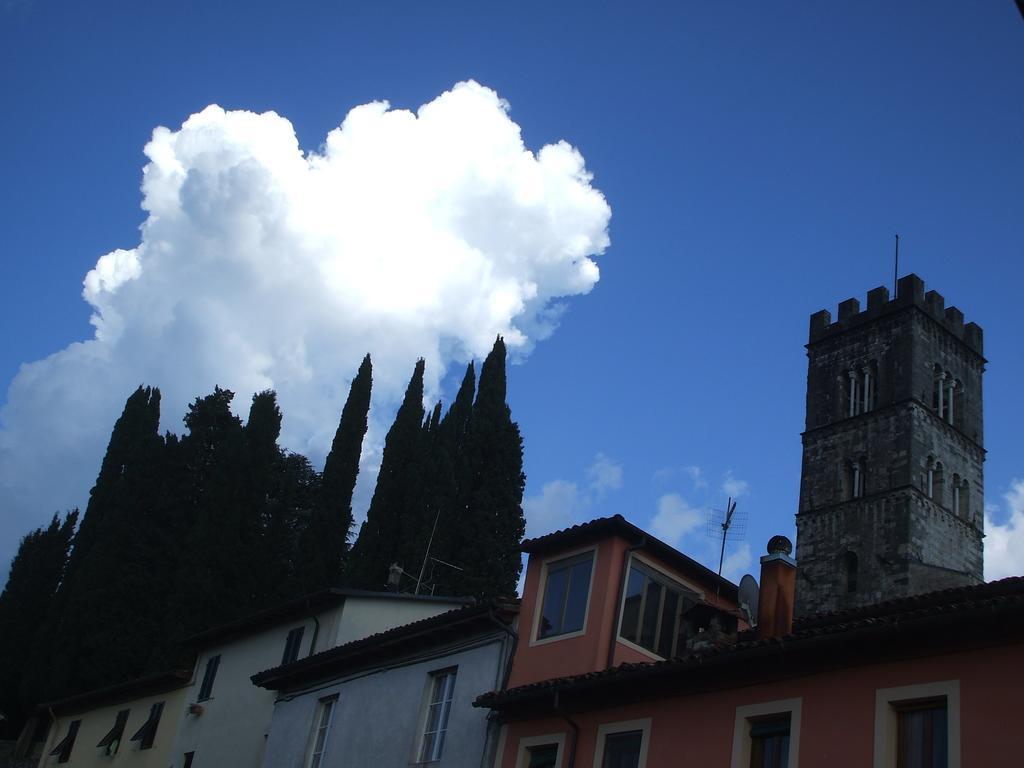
(726, 523)
(433, 560)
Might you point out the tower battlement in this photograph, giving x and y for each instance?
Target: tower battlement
(910, 292)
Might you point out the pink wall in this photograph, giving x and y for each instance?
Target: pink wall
(587, 652)
(838, 714)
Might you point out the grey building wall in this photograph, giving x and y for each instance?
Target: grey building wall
(379, 716)
(903, 540)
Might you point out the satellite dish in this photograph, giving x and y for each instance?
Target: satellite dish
(749, 593)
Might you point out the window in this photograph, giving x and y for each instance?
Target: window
(918, 726)
(652, 611)
(922, 740)
(769, 743)
(945, 394)
(63, 750)
(541, 751)
(189, 757)
(291, 645)
(622, 745)
(854, 479)
(767, 735)
(439, 706)
(206, 689)
(321, 729)
(860, 387)
(112, 741)
(544, 756)
(147, 733)
(566, 592)
(850, 568)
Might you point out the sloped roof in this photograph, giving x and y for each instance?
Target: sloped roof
(140, 687)
(302, 606)
(617, 525)
(431, 632)
(979, 616)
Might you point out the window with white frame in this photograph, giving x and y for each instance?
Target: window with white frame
(321, 730)
(918, 726)
(767, 735)
(439, 707)
(541, 751)
(566, 592)
(622, 745)
(653, 607)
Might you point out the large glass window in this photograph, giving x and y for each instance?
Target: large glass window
(565, 595)
(322, 728)
(442, 691)
(922, 736)
(652, 611)
(622, 750)
(769, 743)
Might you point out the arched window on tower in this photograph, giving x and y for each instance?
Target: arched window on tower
(850, 568)
(853, 392)
(965, 500)
(859, 387)
(855, 479)
(956, 496)
(937, 487)
(929, 477)
(956, 402)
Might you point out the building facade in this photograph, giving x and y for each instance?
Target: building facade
(225, 719)
(892, 484)
(132, 724)
(917, 682)
(402, 697)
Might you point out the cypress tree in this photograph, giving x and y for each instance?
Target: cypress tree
(32, 584)
(492, 524)
(113, 571)
(325, 545)
(392, 529)
(214, 583)
(449, 487)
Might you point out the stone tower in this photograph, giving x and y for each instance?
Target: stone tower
(891, 487)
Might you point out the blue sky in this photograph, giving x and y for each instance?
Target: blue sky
(757, 160)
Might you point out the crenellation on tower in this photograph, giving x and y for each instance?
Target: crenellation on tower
(911, 292)
(892, 482)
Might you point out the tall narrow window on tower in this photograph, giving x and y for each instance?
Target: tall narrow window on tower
(850, 571)
(855, 479)
(853, 392)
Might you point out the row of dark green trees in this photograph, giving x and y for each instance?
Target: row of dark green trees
(183, 534)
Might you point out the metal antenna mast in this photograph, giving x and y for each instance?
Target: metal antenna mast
(730, 508)
(426, 555)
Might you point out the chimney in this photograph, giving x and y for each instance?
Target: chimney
(778, 587)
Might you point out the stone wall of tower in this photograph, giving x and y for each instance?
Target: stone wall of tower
(905, 529)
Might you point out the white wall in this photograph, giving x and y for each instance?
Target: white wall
(231, 731)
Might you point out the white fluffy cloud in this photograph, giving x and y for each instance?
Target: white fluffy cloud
(259, 265)
(562, 503)
(1004, 543)
(674, 519)
(733, 486)
(556, 506)
(605, 475)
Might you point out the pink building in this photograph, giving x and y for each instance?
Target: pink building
(631, 655)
